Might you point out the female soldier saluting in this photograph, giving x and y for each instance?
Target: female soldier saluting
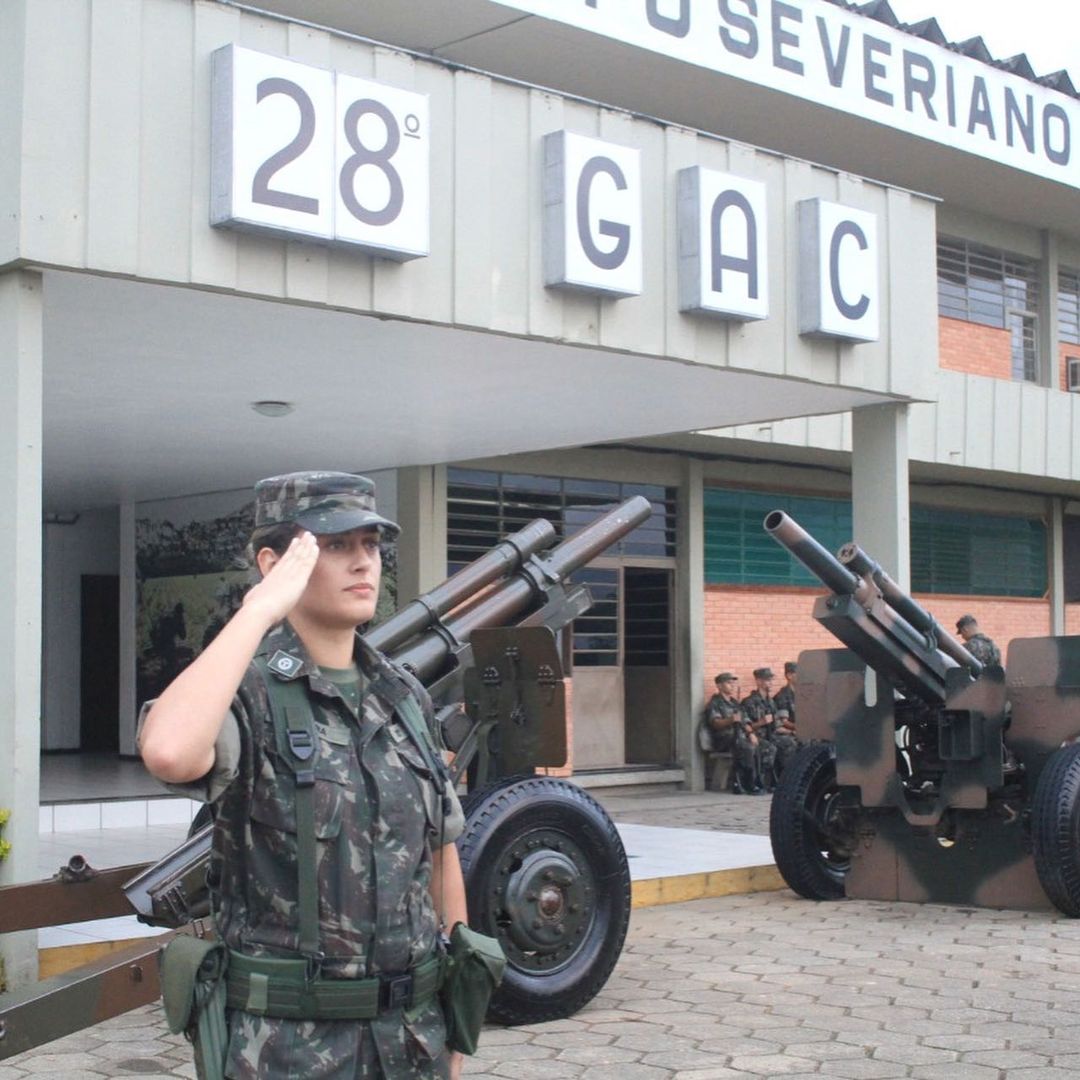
(333, 862)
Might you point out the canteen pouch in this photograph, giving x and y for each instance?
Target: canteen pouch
(474, 968)
(193, 991)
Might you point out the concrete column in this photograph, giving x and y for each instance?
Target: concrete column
(20, 593)
(129, 704)
(1049, 360)
(689, 652)
(421, 510)
(879, 487)
(1057, 566)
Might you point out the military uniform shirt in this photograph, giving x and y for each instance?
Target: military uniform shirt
(983, 649)
(756, 706)
(378, 814)
(785, 699)
(720, 707)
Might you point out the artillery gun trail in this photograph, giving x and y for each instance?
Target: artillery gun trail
(545, 870)
(925, 776)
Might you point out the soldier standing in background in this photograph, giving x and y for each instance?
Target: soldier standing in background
(785, 737)
(730, 733)
(760, 710)
(976, 642)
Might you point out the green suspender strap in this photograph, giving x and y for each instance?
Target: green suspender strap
(294, 732)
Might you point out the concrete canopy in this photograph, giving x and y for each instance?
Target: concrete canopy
(148, 391)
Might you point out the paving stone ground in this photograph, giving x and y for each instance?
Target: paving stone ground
(755, 986)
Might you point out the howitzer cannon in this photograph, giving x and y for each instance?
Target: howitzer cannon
(926, 776)
(545, 870)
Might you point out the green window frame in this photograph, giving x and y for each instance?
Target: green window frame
(953, 552)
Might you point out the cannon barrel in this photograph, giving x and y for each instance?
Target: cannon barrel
(499, 562)
(855, 559)
(872, 615)
(821, 563)
(524, 591)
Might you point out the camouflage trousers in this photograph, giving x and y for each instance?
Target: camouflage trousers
(766, 755)
(268, 1049)
(786, 748)
(746, 772)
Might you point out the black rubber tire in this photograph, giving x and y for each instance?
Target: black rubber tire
(558, 957)
(1055, 829)
(797, 819)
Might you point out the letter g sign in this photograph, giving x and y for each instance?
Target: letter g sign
(592, 215)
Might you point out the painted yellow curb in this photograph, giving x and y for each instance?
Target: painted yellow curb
(61, 958)
(648, 893)
(676, 889)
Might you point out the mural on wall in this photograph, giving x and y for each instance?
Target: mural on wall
(192, 574)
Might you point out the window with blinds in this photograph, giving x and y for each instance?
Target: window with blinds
(995, 288)
(482, 507)
(1068, 307)
(951, 552)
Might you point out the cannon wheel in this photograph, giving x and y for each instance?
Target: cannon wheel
(802, 811)
(1055, 829)
(546, 874)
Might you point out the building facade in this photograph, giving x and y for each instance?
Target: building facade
(523, 258)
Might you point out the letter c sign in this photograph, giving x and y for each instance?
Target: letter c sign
(838, 271)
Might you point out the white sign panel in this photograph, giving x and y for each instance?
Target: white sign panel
(592, 215)
(822, 52)
(723, 261)
(382, 190)
(839, 288)
(301, 151)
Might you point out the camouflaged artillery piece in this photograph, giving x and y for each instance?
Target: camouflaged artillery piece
(545, 870)
(926, 776)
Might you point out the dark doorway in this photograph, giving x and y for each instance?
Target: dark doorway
(647, 665)
(99, 675)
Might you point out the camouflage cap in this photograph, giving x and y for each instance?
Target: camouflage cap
(763, 673)
(725, 676)
(321, 502)
(964, 620)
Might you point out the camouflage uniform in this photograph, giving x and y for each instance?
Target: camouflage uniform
(755, 706)
(734, 739)
(785, 699)
(378, 814)
(786, 743)
(983, 649)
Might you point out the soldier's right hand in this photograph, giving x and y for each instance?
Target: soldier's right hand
(285, 581)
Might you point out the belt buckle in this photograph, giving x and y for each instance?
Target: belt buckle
(397, 991)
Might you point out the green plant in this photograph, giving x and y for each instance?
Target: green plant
(5, 845)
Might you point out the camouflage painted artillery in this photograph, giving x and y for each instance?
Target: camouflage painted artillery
(926, 777)
(545, 870)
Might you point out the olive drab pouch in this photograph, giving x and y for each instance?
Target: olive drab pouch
(193, 991)
(474, 968)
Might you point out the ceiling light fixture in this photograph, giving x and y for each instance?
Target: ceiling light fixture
(273, 408)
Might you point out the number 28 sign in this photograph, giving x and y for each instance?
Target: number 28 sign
(302, 151)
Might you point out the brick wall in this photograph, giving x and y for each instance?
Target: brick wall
(753, 626)
(1065, 351)
(1072, 618)
(974, 348)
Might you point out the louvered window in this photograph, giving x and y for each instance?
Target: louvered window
(951, 552)
(1068, 307)
(995, 288)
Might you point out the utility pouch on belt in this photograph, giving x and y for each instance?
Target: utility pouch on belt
(193, 989)
(474, 967)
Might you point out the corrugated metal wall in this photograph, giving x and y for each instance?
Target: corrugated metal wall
(115, 178)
